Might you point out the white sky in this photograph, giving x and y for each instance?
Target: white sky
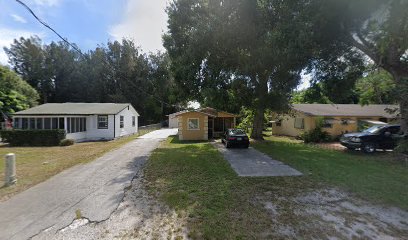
(144, 21)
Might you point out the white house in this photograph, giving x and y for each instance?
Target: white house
(81, 121)
(173, 120)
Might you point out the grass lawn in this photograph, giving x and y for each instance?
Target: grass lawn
(37, 164)
(378, 177)
(194, 179)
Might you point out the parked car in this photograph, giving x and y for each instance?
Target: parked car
(376, 137)
(234, 138)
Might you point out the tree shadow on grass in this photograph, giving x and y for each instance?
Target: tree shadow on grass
(176, 140)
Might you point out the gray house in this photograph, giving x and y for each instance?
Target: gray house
(81, 121)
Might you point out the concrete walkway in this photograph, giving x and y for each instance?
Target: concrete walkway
(249, 162)
(93, 190)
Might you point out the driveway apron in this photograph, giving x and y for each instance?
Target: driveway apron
(93, 191)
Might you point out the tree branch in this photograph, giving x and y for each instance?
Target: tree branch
(365, 49)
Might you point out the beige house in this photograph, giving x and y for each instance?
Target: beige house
(203, 124)
(337, 118)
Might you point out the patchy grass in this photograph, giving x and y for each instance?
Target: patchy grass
(194, 179)
(376, 177)
(37, 164)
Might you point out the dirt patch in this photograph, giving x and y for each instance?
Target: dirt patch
(333, 214)
(139, 216)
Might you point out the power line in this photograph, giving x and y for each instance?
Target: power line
(79, 51)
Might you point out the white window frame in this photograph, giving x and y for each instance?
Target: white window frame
(193, 129)
(107, 121)
(302, 125)
(121, 121)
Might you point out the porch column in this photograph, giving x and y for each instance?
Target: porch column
(206, 128)
(65, 125)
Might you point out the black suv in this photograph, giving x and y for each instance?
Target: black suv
(373, 138)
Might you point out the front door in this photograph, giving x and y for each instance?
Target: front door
(210, 127)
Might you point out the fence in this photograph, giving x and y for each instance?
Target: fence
(151, 127)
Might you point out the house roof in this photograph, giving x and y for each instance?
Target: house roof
(75, 109)
(352, 110)
(212, 112)
(197, 111)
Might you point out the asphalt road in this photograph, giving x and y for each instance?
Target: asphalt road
(93, 190)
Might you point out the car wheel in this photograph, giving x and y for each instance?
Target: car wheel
(351, 148)
(247, 146)
(227, 145)
(369, 147)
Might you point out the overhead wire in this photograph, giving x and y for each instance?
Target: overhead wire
(79, 51)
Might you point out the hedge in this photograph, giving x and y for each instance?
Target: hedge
(33, 137)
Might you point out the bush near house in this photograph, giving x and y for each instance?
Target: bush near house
(67, 142)
(317, 134)
(33, 137)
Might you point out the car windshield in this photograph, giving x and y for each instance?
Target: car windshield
(237, 131)
(373, 129)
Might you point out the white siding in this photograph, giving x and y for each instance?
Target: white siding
(92, 131)
(127, 129)
(173, 121)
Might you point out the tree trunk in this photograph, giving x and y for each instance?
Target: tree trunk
(258, 124)
(402, 86)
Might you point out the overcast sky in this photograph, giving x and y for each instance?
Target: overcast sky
(85, 22)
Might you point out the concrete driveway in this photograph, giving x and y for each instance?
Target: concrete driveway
(249, 162)
(92, 190)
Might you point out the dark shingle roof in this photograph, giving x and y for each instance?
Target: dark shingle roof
(352, 110)
(75, 109)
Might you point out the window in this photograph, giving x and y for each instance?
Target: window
(61, 123)
(32, 123)
(54, 123)
(345, 121)
(299, 123)
(102, 122)
(122, 121)
(24, 124)
(133, 121)
(278, 123)
(47, 123)
(328, 123)
(193, 124)
(76, 124)
(17, 122)
(39, 123)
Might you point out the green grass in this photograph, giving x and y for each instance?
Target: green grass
(37, 164)
(195, 180)
(378, 177)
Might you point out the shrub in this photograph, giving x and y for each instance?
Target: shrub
(402, 147)
(33, 137)
(66, 142)
(317, 134)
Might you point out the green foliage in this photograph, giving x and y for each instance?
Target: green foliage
(317, 134)
(313, 94)
(67, 142)
(117, 72)
(402, 147)
(247, 119)
(377, 87)
(15, 93)
(224, 53)
(33, 137)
